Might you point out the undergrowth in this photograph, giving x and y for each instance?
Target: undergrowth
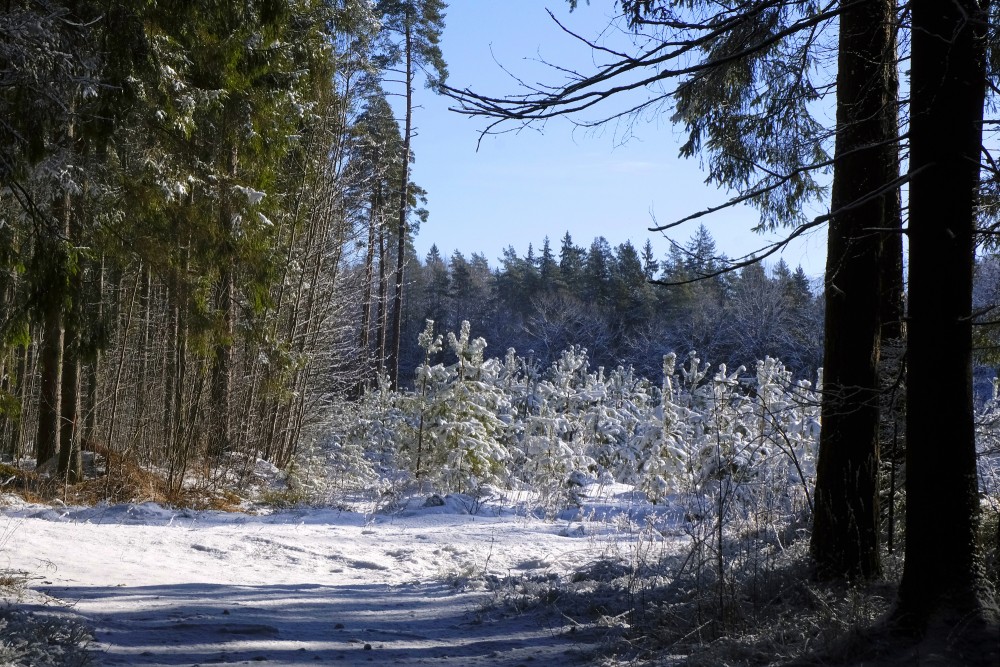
(37, 640)
(115, 478)
(672, 610)
(34, 640)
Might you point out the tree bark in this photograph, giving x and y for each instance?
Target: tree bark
(383, 296)
(47, 441)
(942, 573)
(70, 456)
(94, 366)
(220, 440)
(892, 361)
(404, 201)
(70, 459)
(366, 299)
(50, 396)
(142, 384)
(845, 540)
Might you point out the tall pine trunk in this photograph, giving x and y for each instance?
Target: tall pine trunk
(50, 392)
(220, 440)
(404, 201)
(366, 299)
(382, 322)
(845, 540)
(70, 459)
(892, 361)
(56, 259)
(94, 364)
(942, 573)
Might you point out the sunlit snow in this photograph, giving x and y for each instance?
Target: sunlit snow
(410, 584)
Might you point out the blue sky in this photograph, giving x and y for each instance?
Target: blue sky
(519, 187)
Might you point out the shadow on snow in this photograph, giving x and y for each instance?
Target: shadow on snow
(201, 624)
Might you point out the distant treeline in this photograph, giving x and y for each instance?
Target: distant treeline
(607, 300)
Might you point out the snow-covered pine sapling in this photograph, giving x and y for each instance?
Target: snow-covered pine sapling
(789, 419)
(431, 345)
(464, 425)
(693, 374)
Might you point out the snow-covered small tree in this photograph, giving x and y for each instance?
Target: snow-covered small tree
(461, 443)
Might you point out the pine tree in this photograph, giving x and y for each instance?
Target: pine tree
(650, 266)
(548, 268)
(374, 166)
(417, 24)
(571, 261)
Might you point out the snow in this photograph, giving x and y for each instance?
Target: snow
(254, 197)
(161, 586)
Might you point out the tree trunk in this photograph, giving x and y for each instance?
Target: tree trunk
(366, 299)
(47, 442)
(125, 327)
(16, 443)
(142, 384)
(178, 427)
(169, 366)
(28, 375)
(404, 201)
(222, 370)
(70, 457)
(220, 440)
(383, 295)
(845, 541)
(892, 361)
(892, 290)
(942, 574)
(94, 367)
(70, 460)
(49, 404)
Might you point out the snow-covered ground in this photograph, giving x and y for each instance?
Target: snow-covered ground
(416, 585)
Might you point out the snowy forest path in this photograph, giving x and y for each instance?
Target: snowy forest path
(159, 586)
(408, 624)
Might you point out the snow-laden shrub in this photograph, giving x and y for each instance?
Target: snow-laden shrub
(456, 434)
(28, 639)
(358, 448)
(750, 437)
(988, 446)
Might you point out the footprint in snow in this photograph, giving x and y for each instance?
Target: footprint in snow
(534, 564)
(366, 565)
(209, 550)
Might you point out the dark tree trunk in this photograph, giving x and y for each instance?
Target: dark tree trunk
(845, 541)
(50, 395)
(220, 440)
(222, 369)
(70, 456)
(146, 304)
(892, 306)
(18, 391)
(404, 201)
(70, 459)
(942, 574)
(366, 299)
(892, 362)
(94, 365)
(383, 296)
(57, 263)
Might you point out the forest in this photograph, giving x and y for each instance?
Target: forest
(212, 303)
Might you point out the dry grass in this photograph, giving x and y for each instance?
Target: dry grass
(11, 581)
(771, 611)
(118, 479)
